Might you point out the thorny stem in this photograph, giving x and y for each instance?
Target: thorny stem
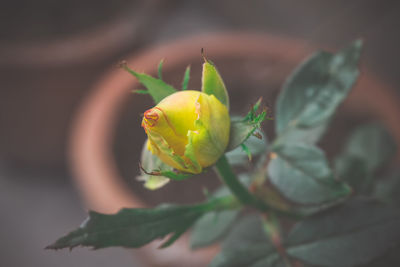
(272, 229)
(225, 172)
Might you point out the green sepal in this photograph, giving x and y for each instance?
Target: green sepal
(157, 88)
(159, 69)
(243, 128)
(151, 162)
(212, 83)
(186, 78)
(141, 92)
(173, 175)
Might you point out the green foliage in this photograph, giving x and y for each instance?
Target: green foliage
(325, 224)
(312, 93)
(157, 88)
(211, 227)
(247, 245)
(373, 144)
(368, 148)
(358, 231)
(388, 189)
(255, 147)
(136, 227)
(301, 173)
(214, 225)
(243, 128)
(152, 164)
(155, 173)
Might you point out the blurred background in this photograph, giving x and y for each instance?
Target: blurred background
(53, 54)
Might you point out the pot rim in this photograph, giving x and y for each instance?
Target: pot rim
(94, 44)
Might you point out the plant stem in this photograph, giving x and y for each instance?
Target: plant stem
(225, 172)
(272, 229)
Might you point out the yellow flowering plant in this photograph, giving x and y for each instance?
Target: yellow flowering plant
(189, 132)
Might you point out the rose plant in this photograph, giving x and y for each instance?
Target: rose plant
(294, 207)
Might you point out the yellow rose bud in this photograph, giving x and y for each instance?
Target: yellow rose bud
(188, 130)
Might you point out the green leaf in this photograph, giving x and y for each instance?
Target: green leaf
(390, 258)
(136, 227)
(371, 143)
(247, 245)
(243, 128)
(367, 149)
(301, 173)
(352, 234)
(353, 171)
(186, 78)
(388, 189)
(157, 88)
(255, 147)
(349, 235)
(212, 83)
(303, 135)
(312, 93)
(211, 227)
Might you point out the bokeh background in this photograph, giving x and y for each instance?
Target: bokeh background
(52, 53)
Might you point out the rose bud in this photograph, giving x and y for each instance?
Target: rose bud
(188, 130)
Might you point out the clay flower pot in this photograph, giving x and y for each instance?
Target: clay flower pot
(251, 64)
(83, 40)
(58, 56)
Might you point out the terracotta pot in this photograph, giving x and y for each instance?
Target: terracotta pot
(242, 59)
(98, 41)
(58, 69)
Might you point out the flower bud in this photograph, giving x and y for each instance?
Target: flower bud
(188, 130)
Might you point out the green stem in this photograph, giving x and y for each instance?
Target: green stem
(225, 172)
(272, 230)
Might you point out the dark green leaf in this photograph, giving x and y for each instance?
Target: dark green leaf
(186, 78)
(312, 93)
(368, 148)
(390, 258)
(301, 173)
(247, 245)
(137, 227)
(349, 235)
(212, 83)
(214, 225)
(388, 189)
(211, 227)
(302, 135)
(157, 88)
(371, 143)
(353, 171)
